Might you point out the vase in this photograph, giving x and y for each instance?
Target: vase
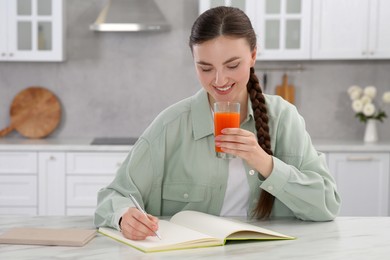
(371, 133)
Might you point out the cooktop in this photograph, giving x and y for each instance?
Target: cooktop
(114, 141)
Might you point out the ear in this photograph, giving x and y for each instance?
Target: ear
(253, 57)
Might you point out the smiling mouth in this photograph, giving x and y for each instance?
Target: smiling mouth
(223, 89)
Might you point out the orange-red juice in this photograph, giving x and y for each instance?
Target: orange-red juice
(225, 120)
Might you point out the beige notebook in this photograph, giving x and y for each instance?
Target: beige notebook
(47, 236)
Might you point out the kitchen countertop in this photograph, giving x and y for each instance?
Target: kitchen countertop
(84, 144)
(343, 238)
(57, 144)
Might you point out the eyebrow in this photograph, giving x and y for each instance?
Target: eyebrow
(226, 62)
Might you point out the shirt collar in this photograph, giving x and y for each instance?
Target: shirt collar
(202, 118)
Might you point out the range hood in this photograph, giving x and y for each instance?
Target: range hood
(130, 16)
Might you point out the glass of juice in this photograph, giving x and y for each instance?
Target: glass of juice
(226, 115)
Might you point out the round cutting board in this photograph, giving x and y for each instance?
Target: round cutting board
(35, 113)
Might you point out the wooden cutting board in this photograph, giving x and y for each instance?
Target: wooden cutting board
(35, 113)
(286, 91)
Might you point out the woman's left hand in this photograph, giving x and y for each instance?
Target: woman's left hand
(243, 144)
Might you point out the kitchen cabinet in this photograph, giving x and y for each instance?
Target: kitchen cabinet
(363, 182)
(32, 30)
(18, 183)
(51, 183)
(351, 29)
(283, 29)
(86, 173)
(55, 182)
(282, 26)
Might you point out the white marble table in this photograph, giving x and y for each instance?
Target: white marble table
(344, 238)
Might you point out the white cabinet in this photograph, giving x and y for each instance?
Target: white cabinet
(51, 183)
(351, 29)
(55, 183)
(86, 174)
(283, 29)
(363, 182)
(282, 26)
(31, 30)
(18, 183)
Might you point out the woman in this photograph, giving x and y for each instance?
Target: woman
(173, 167)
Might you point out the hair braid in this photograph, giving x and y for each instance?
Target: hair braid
(266, 200)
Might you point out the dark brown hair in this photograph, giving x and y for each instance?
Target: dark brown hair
(233, 22)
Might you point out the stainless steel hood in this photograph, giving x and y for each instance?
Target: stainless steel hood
(130, 16)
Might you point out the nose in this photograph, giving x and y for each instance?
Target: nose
(220, 78)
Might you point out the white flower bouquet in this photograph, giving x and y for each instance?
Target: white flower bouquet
(364, 105)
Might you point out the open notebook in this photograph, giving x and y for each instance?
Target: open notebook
(191, 229)
(47, 236)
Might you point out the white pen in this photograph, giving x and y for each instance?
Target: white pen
(143, 211)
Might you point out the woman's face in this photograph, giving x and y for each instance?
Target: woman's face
(222, 66)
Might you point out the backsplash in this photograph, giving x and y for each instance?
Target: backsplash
(114, 84)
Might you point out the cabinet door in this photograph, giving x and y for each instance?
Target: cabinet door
(340, 29)
(283, 29)
(363, 182)
(94, 163)
(18, 191)
(51, 183)
(18, 163)
(35, 30)
(82, 190)
(379, 45)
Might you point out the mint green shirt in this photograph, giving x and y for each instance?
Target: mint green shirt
(173, 167)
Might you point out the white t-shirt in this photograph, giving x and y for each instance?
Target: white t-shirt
(236, 199)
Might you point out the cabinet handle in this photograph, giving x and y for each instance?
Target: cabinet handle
(118, 164)
(364, 53)
(372, 52)
(11, 54)
(52, 158)
(3, 54)
(360, 158)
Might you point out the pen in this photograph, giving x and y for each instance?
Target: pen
(143, 211)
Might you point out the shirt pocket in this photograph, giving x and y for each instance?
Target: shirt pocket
(184, 192)
(179, 196)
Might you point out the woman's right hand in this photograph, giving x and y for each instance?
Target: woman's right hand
(136, 226)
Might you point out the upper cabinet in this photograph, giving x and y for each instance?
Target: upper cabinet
(31, 30)
(282, 26)
(317, 29)
(351, 29)
(283, 29)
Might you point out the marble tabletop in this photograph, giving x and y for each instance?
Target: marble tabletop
(343, 238)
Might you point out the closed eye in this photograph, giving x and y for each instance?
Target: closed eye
(233, 66)
(205, 69)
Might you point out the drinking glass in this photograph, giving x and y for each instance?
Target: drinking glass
(226, 115)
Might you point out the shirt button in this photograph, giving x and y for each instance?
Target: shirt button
(185, 195)
(251, 172)
(270, 187)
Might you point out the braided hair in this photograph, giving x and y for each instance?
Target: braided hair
(232, 21)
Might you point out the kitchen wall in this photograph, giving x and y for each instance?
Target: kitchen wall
(114, 84)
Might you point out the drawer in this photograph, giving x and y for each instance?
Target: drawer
(94, 163)
(18, 163)
(18, 190)
(82, 190)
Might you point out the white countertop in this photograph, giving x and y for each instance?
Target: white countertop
(344, 238)
(84, 144)
(60, 144)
